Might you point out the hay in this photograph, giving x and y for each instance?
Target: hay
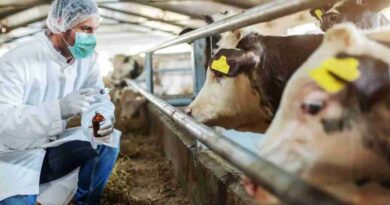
(142, 176)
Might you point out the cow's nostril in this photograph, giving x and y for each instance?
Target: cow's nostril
(189, 111)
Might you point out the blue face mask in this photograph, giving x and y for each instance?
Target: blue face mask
(84, 45)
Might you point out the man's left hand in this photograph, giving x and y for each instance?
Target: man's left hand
(105, 130)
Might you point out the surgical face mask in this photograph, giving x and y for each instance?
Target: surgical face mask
(84, 45)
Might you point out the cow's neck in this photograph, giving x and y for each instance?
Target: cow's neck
(280, 58)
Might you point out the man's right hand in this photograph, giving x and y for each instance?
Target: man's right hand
(76, 102)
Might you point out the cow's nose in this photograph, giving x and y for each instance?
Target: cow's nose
(189, 111)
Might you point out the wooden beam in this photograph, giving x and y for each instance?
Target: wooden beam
(162, 7)
(142, 16)
(138, 24)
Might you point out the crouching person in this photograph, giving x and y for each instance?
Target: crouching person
(44, 83)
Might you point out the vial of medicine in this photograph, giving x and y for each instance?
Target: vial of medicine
(96, 120)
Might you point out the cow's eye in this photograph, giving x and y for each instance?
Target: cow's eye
(312, 107)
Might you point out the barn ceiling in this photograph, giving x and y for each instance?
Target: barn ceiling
(21, 18)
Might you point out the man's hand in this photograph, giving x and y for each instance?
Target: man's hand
(76, 102)
(106, 128)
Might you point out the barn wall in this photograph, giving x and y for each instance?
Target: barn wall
(206, 178)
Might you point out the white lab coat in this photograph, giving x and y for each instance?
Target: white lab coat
(33, 77)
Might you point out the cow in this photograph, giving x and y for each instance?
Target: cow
(363, 13)
(126, 67)
(173, 83)
(130, 109)
(226, 105)
(247, 96)
(332, 126)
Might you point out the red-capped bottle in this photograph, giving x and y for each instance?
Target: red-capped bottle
(96, 120)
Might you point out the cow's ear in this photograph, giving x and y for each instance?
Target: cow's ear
(231, 62)
(373, 84)
(137, 70)
(317, 13)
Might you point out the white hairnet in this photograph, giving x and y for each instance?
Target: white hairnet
(65, 14)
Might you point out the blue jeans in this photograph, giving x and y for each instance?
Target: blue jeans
(95, 170)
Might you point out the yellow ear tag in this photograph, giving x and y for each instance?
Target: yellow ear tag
(221, 65)
(346, 69)
(319, 13)
(349, 71)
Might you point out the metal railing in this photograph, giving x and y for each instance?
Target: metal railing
(285, 186)
(265, 12)
(282, 184)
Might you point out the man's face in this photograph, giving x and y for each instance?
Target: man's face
(88, 26)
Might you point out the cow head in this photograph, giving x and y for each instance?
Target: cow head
(133, 103)
(228, 97)
(131, 109)
(333, 116)
(126, 67)
(363, 13)
(373, 95)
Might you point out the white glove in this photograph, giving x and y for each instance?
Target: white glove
(76, 102)
(105, 129)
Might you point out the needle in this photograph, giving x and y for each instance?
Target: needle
(104, 91)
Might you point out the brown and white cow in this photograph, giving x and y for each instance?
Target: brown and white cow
(363, 13)
(247, 97)
(337, 139)
(130, 109)
(173, 83)
(126, 67)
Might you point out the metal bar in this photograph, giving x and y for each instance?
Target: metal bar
(173, 70)
(241, 4)
(179, 102)
(149, 71)
(265, 12)
(137, 24)
(24, 4)
(142, 16)
(284, 185)
(24, 24)
(8, 12)
(9, 40)
(199, 61)
(161, 6)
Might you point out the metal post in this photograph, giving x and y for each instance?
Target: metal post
(284, 185)
(199, 58)
(173, 70)
(149, 71)
(179, 102)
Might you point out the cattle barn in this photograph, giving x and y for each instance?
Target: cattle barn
(188, 102)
